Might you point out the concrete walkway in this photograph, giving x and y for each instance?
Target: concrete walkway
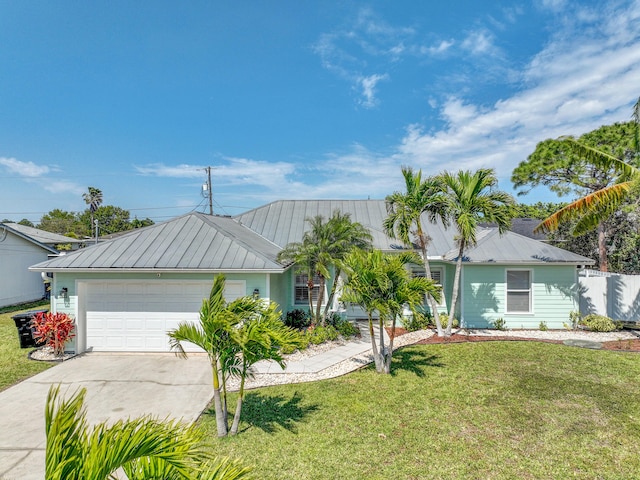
(324, 360)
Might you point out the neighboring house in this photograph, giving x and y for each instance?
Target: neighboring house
(524, 227)
(17, 253)
(54, 240)
(126, 293)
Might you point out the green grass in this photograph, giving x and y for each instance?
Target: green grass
(498, 410)
(14, 364)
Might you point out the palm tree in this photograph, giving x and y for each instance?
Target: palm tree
(93, 198)
(322, 249)
(259, 337)
(381, 283)
(404, 219)
(593, 209)
(73, 451)
(213, 334)
(469, 199)
(345, 236)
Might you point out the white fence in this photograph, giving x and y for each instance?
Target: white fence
(614, 295)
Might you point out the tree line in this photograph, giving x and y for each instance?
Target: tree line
(110, 219)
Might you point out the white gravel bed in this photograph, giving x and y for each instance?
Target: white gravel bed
(554, 334)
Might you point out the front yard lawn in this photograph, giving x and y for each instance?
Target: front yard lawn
(14, 364)
(497, 410)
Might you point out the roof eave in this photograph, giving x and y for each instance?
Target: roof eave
(153, 270)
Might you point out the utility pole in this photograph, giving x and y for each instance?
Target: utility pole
(209, 192)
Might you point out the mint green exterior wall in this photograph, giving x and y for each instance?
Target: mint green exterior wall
(483, 296)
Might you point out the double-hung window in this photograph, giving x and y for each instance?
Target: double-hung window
(519, 291)
(301, 289)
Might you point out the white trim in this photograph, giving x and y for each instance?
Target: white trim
(506, 290)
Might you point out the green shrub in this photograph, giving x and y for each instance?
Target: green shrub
(342, 325)
(444, 319)
(297, 319)
(600, 323)
(321, 334)
(574, 320)
(499, 324)
(543, 326)
(301, 343)
(417, 321)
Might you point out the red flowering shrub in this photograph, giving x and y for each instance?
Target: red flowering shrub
(53, 329)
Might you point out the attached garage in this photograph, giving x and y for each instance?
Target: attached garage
(134, 316)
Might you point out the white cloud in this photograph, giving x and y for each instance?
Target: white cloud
(368, 86)
(438, 49)
(479, 42)
(177, 171)
(367, 43)
(24, 169)
(575, 84)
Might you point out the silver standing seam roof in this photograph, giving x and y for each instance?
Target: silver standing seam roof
(251, 241)
(192, 242)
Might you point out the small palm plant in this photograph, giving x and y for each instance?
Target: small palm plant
(145, 448)
(235, 335)
(380, 283)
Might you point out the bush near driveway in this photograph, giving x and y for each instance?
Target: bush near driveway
(15, 366)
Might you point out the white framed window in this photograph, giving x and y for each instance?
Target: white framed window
(519, 293)
(437, 275)
(301, 289)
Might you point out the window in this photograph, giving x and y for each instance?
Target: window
(437, 275)
(518, 291)
(301, 290)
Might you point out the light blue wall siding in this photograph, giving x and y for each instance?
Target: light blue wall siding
(484, 296)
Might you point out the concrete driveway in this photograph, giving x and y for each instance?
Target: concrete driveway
(118, 386)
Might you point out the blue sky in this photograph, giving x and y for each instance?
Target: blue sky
(293, 99)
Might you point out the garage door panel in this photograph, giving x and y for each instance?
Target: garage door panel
(136, 316)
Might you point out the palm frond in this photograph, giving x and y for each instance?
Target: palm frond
(600, 201)
(601, 159)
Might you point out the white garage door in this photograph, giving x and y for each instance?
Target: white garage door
(135, 316)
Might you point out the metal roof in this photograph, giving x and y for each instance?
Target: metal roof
(284, 222)
(193, 242)
(8, 227)
(42, 236)
(251, 241)
(512, 248)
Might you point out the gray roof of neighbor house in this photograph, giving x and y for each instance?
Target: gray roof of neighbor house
(284, 221)
(192, 242)
(42, 236)
(8, 227)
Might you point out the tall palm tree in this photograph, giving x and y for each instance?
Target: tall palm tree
(381, 283)
(404, 219)
(470, 199)
(323, 247)
(593, 209)
(93, 198)
(259, 337)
